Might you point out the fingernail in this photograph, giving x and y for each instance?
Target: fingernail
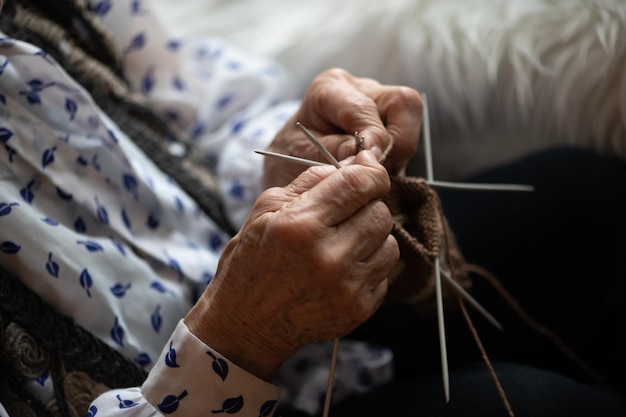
(347, 161)
(377, 151)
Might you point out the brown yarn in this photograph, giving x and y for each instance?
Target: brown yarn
(486, 359)
(423, 235)
(533, 324)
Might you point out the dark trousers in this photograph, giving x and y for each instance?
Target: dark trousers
(561, 252)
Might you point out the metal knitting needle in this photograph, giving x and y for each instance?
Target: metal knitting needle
(333, 359)
(438, 289)
(295, 159)
(471, 300)
(480, 186)
(434, 184)
(321, 147)
(449, 279)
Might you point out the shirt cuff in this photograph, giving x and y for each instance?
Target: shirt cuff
(191, 379)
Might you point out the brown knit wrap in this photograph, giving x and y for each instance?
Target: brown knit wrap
(423, 235)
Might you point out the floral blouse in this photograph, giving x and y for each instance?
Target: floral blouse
(93, 226)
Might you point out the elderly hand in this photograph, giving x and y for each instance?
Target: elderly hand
(335, 107)
(309, 264)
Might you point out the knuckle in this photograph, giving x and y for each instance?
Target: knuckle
(410, 98)
(381, 216)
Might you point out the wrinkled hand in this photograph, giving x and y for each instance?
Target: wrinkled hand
(336, 106)
(309, 264)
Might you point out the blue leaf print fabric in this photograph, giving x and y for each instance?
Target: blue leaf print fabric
(71, 107)
(9, 247)
(219, 365)
(86, 281)
(52, 267)
(170, 403)
(117, 333)
(5, 208)
(192, 388)
(5, 134)
(230, 406)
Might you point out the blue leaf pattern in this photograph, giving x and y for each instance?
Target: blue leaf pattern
(219, 365)
(52, 267)
(102, 8)
(170, 403)
(117, 333)
(170, 357)
(173, 263)
(10, 153)
(135, 7)
(143, 360)
(86, 282)
(10, 248)
(50, 221)
(119, 290)
(160, 288)
(32, 97)
(80, 226)
(5, 209)
(5, 134)
(71, 107)
(136, 43)
(206, 277)
(131, 184)
(126, 220)
(152, 222)
(101, 211)
(224, 101)
(178, 84)
(118, 246)
(48, 157)
(90, 245)
(63, 195)
(113, 136)
(237, 191)
(147, 82)
(174, 44)
(230, 406)
(180, 207)
(93, 410)
(125, 403)
(27, 193)
(156, 319)
(198, 130)
(41, 380)
(216, 241)
(267, 408)
(2, 67)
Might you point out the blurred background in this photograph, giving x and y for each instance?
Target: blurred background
(502, 77)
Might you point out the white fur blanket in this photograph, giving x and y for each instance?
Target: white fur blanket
(502, 77)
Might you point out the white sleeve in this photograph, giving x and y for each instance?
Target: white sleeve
(220, 100)
(190, 379)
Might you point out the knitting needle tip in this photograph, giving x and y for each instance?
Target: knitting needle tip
(295, 159)
(317, 143)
